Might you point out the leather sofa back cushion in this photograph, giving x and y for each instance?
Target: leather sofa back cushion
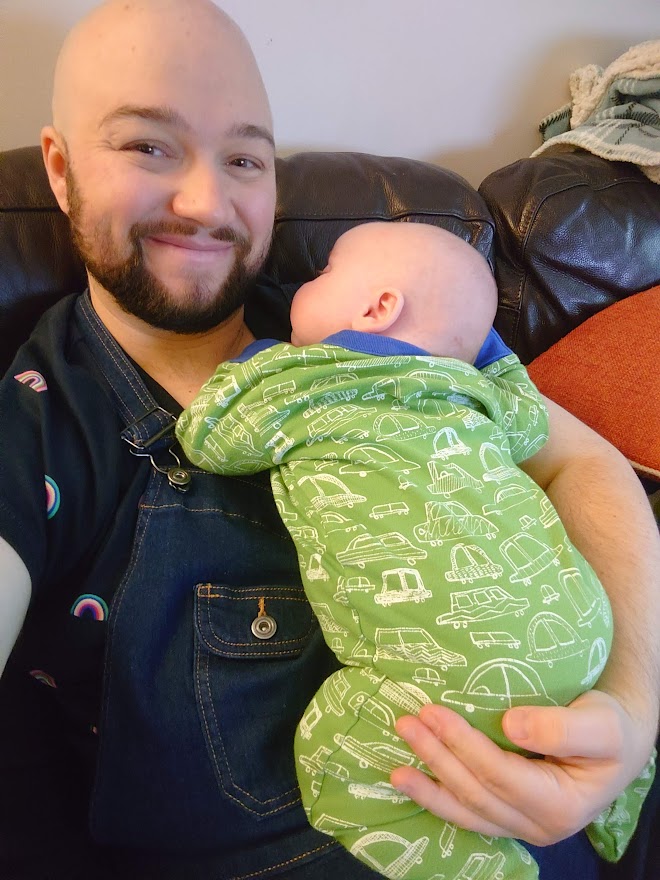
(574, 234)
(319, 196)
(606, 373)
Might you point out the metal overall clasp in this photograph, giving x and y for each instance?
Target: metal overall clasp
(156, 443)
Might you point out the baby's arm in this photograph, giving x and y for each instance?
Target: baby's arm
(603, 739)
(522, 410)
(230, 428)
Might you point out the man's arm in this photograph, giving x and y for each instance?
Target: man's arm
(612, 729)
(15, 590)
(607, 516)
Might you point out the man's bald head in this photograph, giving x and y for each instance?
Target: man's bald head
(123, 46)
(162, 155)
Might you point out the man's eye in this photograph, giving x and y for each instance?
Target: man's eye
(244, 162)
(147, 149)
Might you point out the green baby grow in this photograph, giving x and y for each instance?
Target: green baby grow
(438, 571)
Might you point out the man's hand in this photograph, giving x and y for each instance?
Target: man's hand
(482, 788)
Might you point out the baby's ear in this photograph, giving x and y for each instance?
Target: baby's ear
(381, 312)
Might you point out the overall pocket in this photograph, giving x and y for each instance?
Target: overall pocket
(252, 689)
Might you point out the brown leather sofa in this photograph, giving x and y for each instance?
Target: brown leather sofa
(568, 235)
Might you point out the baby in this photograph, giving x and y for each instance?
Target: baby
(393, 425)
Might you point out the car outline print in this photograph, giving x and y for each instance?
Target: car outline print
(416, 645)
(346, 585)
(376, 458)
(226, 391)
(382, 791)
(402, 426)
(315, 763)
(482, 866)
(587, 599)
(380, 756)
(448, 478)
(262, 416)
(371, 548)
(506, 672)
(551, 639)
(453, 445)
(326, 620)
(596, 662)
(315, 570)
(341, 497)
(471, 570)
(483, 640)
(373, 712)
(480, 604)
(427, 675)
(310, 719)
(451, 520)
(397, 869)
(331, 420)
(507, 497)
(280, 443)
(495, 464)
(402, 585)
(528, 556)
(392, 508)
(404, 695)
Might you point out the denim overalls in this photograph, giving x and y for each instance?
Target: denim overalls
(212, 655)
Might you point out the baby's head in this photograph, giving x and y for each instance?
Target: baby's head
(410, 281)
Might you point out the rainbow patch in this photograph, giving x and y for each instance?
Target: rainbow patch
(52, 497)
(33, 379)
(90, 606)
(43, 677)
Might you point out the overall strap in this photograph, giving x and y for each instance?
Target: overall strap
(149, 429)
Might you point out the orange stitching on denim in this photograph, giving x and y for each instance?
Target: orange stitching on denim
(202, 682)
(254, 522)
(201, 589)
(262, 873)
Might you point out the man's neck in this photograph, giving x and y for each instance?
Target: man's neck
(180, 363)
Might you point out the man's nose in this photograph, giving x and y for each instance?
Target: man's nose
(204, 195)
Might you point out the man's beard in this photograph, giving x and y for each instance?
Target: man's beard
(138, 292)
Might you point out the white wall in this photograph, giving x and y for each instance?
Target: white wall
(463, 83)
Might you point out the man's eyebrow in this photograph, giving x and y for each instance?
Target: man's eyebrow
(168, 116)
(154, 114)
(248, 130)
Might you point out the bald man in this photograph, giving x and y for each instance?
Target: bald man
(160, 739)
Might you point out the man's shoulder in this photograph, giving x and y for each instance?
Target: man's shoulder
(56, 363)
(50, 339)
(64, 433)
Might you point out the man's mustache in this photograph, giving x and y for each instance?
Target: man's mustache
(173, 227)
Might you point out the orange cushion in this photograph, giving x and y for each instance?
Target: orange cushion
(607, 373)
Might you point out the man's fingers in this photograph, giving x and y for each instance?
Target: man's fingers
(471, 771)
(534, 800)
(435, 798)
(565, 732)
(470, 752)
(539, 800)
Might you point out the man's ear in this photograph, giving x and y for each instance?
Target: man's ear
(382, 311)
(54, 153)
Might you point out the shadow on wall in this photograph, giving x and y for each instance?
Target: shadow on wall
(28, 49)
(518, 126)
